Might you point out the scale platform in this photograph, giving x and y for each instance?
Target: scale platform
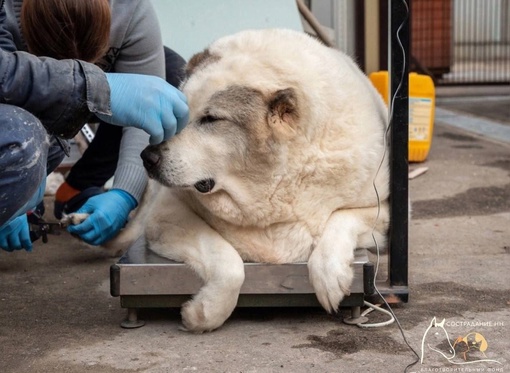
(143, 279)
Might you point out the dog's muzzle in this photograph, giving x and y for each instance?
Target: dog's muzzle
(204, 186)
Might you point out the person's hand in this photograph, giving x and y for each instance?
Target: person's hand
(108, 214)
(146, 102)
(15, 235)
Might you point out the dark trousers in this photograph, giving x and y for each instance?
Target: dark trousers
(27, 156)
(99, 162)
(24, 147)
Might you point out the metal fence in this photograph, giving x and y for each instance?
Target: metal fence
(462, 41)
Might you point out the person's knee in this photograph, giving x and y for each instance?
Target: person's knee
(23, 154)
(24, 141)
(21, 131)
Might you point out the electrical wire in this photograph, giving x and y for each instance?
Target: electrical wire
(390, 124)
(373, 307)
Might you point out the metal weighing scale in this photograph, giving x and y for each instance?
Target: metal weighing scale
(148, 281)
(145, 280)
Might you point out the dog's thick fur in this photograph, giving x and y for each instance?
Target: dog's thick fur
(278, 164)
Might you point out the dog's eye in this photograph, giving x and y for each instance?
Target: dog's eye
(208, 119)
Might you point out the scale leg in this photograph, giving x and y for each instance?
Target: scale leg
(355, 317)
(132, 321)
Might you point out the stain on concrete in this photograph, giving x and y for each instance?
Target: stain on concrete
(472, 202)
(468, 147)
(347, 341)
(449, 299)
(494, 109)
(503, 164)
(435, 299)
(457, 137)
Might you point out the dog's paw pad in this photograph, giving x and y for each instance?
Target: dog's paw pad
(331, 284)
(197, 319)
(73, 219)
(193, 317)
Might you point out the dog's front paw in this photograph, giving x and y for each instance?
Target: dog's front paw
(73, 219)
(214, 303)
(200, 316)
(331, 279)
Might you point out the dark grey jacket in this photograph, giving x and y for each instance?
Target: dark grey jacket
(62, 94)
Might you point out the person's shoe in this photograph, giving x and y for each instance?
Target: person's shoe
(74, 203)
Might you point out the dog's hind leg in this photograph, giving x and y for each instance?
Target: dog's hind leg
(184, 237)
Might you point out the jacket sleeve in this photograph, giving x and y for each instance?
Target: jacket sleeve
(62, 94)
(6, 39)
(141, 53)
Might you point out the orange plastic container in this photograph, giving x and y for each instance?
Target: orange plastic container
(422, 101)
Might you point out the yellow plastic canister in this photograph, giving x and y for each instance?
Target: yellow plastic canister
(422, 100)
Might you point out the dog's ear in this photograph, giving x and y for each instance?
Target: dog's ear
(283, 111)
(199, 60)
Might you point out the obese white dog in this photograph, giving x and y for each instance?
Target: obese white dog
(278, 164)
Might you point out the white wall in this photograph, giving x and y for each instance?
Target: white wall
(189, 26)
(339, 16)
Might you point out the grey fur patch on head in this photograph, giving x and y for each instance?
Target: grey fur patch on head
(200, 60)
(243, 104)
(261, 117)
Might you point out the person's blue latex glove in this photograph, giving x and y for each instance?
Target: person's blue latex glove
(108, 214)
(146, 102)
(15, 235)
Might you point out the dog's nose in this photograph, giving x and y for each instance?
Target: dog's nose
(204, 186)
(150, 157)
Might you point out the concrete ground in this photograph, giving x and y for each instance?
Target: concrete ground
(56, 313)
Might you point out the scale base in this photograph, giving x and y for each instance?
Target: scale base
(144, 280)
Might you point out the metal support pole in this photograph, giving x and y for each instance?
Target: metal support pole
(398, 62)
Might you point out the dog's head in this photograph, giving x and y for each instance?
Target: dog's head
(234, 132)
(261, 126)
